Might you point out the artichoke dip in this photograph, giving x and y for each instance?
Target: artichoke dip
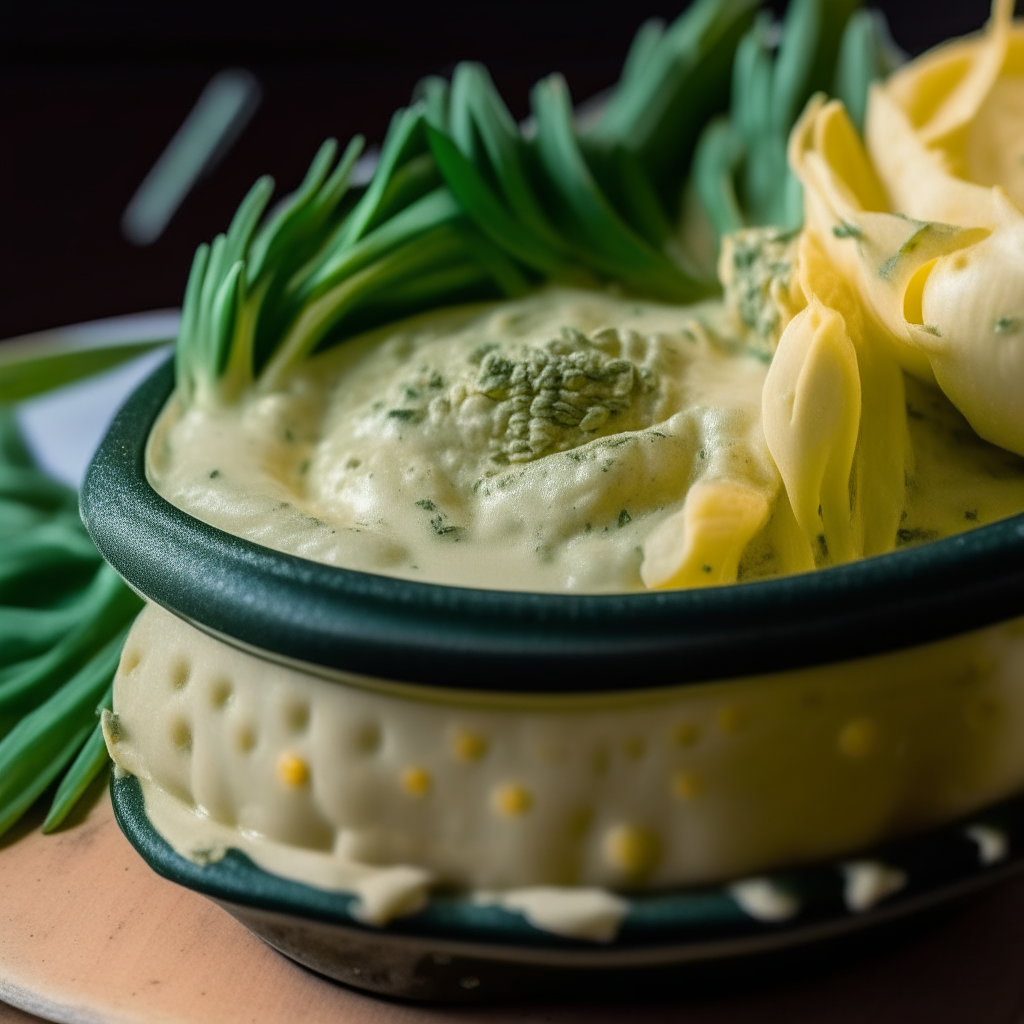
(857, 389)
(533, 445)
(567, 441)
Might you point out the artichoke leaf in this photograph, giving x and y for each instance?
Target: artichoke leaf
(811, 411)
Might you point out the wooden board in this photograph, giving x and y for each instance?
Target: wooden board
(88, 933)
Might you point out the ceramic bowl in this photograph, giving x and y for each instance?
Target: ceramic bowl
(455, 950)
(942, 618)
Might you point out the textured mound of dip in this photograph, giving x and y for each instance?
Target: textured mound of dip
(532, 445)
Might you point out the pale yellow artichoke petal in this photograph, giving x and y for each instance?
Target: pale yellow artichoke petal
(907, 266)
(877, 253)
(883, 456)
(995, 145)
(915, 178)
(972, 326)
(811, 409)
(950, 125)
(702, 543)
(922, 85)
(958, 107)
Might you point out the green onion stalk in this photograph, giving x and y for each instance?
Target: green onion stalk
(464, 204)
(63, 618)
(740, 171)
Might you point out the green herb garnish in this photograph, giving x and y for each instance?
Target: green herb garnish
(464, 205)
(845, 230)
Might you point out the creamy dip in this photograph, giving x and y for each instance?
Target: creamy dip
(531, 445)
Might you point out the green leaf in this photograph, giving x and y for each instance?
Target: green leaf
(13, 450)
(410, 182)
(601, 239)
(404, 140)
(504, 272)
(186, 353)
(25, 371)
(629, 189)
(659, 110)
(486, 210)
(247, 216)
(28, 632)
(28, 486)
(433, 91)
(427, 250)
(26, 684)
(91, 760)
(34, 752)
(867, 54)
(467, 281)
(641, 51)
(502, 152)
(203, 340)
(291, 240)
(49, 560)
(718, 157)
(811, 34)
(752, 73)
(545, 207)
(435, 208)
(279, 232)
(226, 304)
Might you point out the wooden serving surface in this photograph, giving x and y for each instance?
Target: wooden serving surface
(88, 933)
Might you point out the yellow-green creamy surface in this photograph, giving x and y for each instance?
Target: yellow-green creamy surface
(541, 444)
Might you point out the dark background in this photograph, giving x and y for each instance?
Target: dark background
(91, 93)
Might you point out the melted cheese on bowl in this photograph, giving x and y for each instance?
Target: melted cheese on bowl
(550, 804)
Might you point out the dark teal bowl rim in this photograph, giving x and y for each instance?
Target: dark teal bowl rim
(937, 865)
(507, 641)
